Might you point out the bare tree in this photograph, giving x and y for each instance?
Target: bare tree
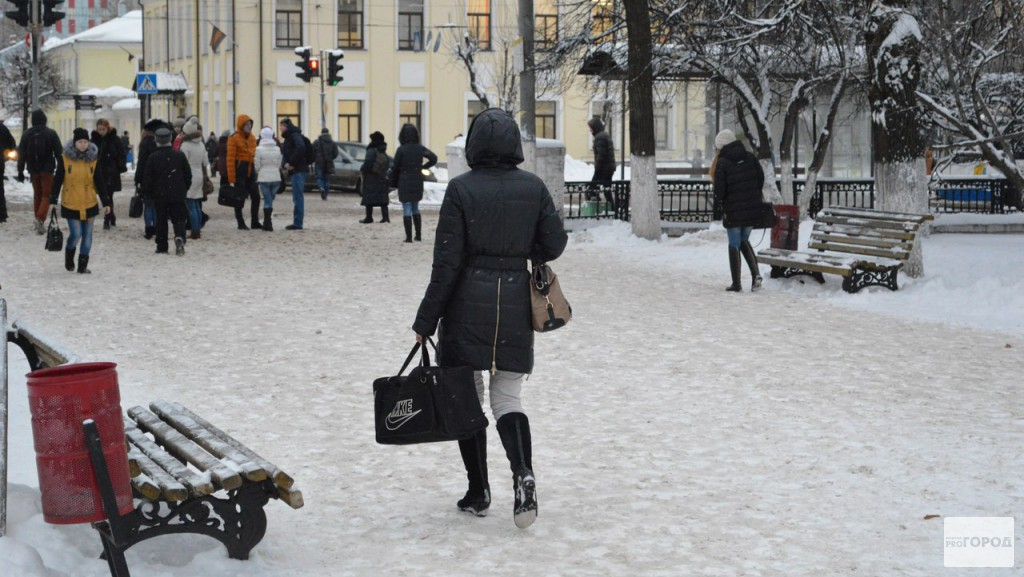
(973, 82)
(16, 79)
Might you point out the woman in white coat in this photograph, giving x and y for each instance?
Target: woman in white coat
(268, 172)
(194, 149)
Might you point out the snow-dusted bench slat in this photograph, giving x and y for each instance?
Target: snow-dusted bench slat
(865, 247)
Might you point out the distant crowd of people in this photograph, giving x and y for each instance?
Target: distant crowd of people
(175, 170)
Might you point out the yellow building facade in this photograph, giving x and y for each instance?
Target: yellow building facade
(100, 62)
(399, 66)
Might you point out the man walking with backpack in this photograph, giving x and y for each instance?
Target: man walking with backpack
(324, 153)
(296, 164)
(40, 149)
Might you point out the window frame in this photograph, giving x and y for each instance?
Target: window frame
(295, 118)
(409, 44)
(286, 42)
(358, 117)
(402, 118)
(360, 11)
(473, 25)
(548, 120)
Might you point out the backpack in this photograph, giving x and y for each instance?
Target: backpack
(310, 153)
(38, 150)
(380, 164)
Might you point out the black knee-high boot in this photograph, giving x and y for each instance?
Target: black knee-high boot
(474, 457)
(384, 214)
(751, 257)
(407, 222)
(268, 222)
(514, 430)
(734, 270)
(69, 259)
(417, 223)
(240, 218)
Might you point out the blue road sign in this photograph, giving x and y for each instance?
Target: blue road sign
(145, 83)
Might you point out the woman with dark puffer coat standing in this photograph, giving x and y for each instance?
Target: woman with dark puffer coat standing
(493, 220)
(375, 183)
(738, 180)
(407, 176)
(110, 164)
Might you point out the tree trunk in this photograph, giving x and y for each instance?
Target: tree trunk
(893, 72)
(645, 213)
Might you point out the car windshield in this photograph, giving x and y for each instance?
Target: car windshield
(356, 151)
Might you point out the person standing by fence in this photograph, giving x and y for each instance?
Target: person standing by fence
(738, 179)
(604, 163)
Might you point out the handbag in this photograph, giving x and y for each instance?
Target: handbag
(431, 404)
(767, 218)
(550, 309)
(135, 206)
(54, 237)
(231, 196)
(207, 184)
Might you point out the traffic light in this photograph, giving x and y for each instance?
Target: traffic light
(314, 66)
(23, 15)
(50, 16)
(306, 64)
(334, 66)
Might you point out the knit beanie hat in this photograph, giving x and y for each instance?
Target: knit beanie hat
(191, 127)
(163, 136)
(179, 122)
(377, 138)
(38, 118)
(267, 133)
(724, 138)
(79, 134)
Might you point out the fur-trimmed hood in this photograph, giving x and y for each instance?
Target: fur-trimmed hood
(90, 154)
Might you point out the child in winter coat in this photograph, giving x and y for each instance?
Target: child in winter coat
(78, 202)
(268, 173)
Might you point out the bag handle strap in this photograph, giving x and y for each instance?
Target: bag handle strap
(53, 216)
(540, 278)
(424, 359)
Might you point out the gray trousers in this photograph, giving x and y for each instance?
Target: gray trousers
(505, 389)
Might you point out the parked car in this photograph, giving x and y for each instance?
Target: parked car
(346, 177)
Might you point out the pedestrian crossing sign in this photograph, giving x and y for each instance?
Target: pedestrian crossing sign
(145, 83)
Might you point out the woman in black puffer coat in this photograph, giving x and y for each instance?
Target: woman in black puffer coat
(738, 180)
(110, 165)
(375, 182)
(493, 219)
(407, 176)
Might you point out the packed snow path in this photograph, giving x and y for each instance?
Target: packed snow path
(678, 429)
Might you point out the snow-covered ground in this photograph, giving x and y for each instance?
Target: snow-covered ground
(678, 429)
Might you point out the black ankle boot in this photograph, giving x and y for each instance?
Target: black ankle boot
(751, 257)
(369, 215)
(83, 264)
(384, 214)
(514, 430)
(268, 223)
(150, 231)
(407, 222)
(734, 270)
(69, 260)
(240, 219)
(417, 223)
(474, 457)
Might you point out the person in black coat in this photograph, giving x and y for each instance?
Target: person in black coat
(166, 179)
(110, 164)
(42, 152)
(147, 144)
(293, 151)
(7, 144)
(493, 220)
(604, 162)
(738, 180)
(375, 182)
(211, 153)
(407, 176)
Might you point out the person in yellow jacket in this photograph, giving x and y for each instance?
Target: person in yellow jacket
(241, 155)
(78, 201)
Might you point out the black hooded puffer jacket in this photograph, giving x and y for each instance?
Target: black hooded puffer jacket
(492, 220)
(739, 180)
(409, 164)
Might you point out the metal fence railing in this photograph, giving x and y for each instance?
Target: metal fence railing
(693, 200)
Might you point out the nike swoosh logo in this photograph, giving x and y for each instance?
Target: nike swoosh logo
(393, 424)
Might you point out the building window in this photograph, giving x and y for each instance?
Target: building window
(410, 24)
(473, 107)
(411, 112)
(350, 121)
(545, 117)
(291, 109)
(288, 24)
(350, 23)
(478, 21)
(661, 128)
(545, 25)
(603, 17)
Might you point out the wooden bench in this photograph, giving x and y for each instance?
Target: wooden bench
(865, 247)
(191, 477)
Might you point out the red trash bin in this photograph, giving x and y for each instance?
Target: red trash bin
(786, 232)
(60, 398)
